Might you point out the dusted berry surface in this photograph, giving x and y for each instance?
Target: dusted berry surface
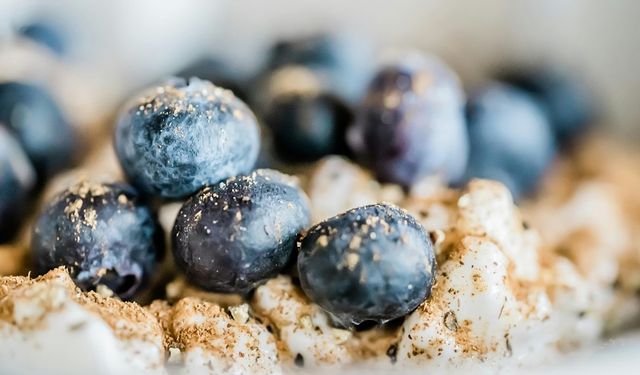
(17, 178)
(306, 121)
(102, 234)
(184, 135)
(411, 123)
(236, 234)
(38, 123)
(511, 139)
(370, 263)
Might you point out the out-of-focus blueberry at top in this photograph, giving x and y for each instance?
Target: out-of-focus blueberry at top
(347, 62)
(46, 34)
(411, 123)
(39, 124)
(433, 78)
(511, 138)
(17, 178)
(564, 96)
(307, 122)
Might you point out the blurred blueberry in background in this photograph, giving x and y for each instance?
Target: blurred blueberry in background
(510, 136)
(345, 61)
(565, 99)
(411, 122)
(39, 124)
(17, 178)
(306, 121)
(46, 33)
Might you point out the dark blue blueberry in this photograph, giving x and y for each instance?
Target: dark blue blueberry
(234, 235)
(566, 100)
(102, 234)
(46, 34)
(216, 72)
(184, 135)
(370, 263)
(39, 125)
(411, 123)
(17, 178)
(307, 123)
(511, 139)
(345, 61)
(314, 50)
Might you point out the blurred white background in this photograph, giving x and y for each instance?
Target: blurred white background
(133, 42)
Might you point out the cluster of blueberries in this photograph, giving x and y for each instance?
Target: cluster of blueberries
(239, 226)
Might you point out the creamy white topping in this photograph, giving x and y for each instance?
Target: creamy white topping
(504, 298)
(215, 342)
(46, 326)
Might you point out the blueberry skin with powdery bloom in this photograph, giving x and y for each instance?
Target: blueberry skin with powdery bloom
(511, 139)
(102, 234)
(17, 179)
(372, 263)
(232, 236)
(184, 135)
(566, 100)
(38, 123)
(411, 123)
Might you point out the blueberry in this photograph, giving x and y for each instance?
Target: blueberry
(39, 125)
(46, 34)
(215, 71)
(313, 50)
(17, 178)
(566, 100)
(102, 234)
(411, 123)
(511, 139)
(306, 122)
(370, 263)
(184, 135)
(345, 61)
(232, 236)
